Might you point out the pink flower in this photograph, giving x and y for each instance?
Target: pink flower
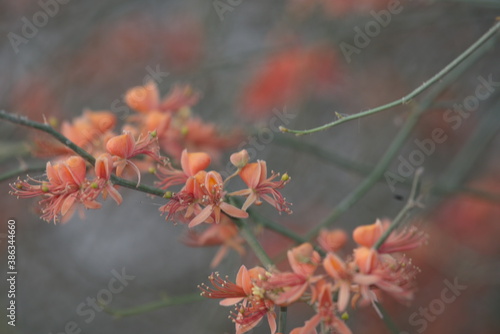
(392, 275)
(290, 287)
(213, 200)
(253, 305)
(262, 187)
(326, 314)
(102, 184)
(332, 240)
(191, 164)
(145, 99)
(343, 276)
(64, 189)
(124, 147)
(398, 241)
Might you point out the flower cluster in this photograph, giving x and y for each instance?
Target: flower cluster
(170, 119)
(203, 196)
(67, 186)
(166, 125)
(327, 283)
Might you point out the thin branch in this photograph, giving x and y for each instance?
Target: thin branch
(364, 169)
(165, 302)
(401, 216)
(23, 120)
(141, 187)
(411, 95)
(249, 236)
(396, 145)
(282, 319)
(387, 319)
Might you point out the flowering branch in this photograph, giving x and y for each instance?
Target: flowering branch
(23, 120)
(405, 99)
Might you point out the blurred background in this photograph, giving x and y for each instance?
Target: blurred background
(298, 61)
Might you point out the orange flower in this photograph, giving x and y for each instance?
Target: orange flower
(326, 313)
(343, 276)
(290, 287)
(143, 98)
(332, 240)
(146, 98)
(262, 187)
(392, 275)
(213, 199)
(239, 159)
(65, 187)
(246, 291)
(191, 164)
(124, 147)
(187, 131)
(103, 169)
(398, 241)
(87, 131)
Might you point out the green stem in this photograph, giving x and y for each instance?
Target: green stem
(141, 187)
(23, 120)
(249, 236)
(387, 319)
(165, 302)
(282, 319)
(363, 169)
(400, 218)
(411, 95)
(372, 178)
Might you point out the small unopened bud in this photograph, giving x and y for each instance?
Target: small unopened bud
(168, 195)
(152, 170)
(285, 177)
(345, 316)
(154, 133)
(45, 188)
(239, 159)
(53, 122)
